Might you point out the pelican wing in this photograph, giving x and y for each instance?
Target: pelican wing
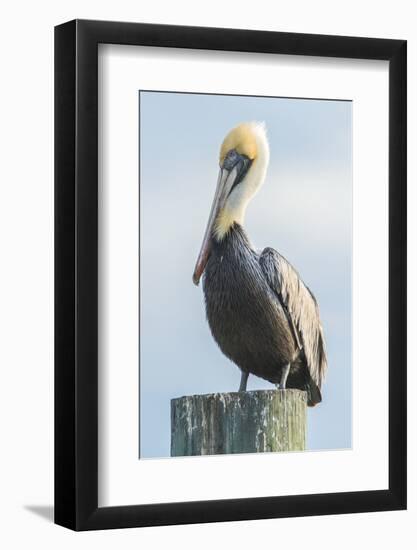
(301, 309)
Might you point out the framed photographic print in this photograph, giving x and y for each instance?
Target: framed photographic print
(230, 252)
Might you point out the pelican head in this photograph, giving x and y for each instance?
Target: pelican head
(244, 157)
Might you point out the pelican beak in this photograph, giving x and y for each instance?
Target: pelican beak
(225, 183)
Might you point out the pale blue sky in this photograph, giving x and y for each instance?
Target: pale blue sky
(304, 210)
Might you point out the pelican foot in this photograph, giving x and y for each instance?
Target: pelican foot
(284, 375)
(243, 381)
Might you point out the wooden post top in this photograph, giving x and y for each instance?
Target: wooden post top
(239, 422)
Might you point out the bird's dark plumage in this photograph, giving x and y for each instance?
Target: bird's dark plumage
(262, 315)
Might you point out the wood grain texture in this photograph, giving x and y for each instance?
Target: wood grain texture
(245, 422)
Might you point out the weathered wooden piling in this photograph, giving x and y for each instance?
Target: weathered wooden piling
(244, 422)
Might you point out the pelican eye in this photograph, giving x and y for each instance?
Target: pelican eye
(231, 159)
(242, 163)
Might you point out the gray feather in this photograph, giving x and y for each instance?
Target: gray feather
(261, 314)
(302, 308)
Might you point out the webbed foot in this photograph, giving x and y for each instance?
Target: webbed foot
(284, 375)
(243, 381)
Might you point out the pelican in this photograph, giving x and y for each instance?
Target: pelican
(261, 314)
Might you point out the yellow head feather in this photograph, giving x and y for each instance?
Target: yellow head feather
(242, 139)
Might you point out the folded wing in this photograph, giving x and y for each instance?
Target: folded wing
(301, 308)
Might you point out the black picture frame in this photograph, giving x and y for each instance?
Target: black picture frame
(76, 272)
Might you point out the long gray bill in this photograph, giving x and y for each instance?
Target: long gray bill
(224, 185)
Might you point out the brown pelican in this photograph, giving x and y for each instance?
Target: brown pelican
(261, 314)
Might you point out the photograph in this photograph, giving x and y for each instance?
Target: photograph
(245, 263)
(207, 232)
